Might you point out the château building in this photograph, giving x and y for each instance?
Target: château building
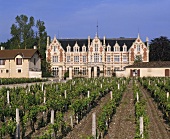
(94, 57)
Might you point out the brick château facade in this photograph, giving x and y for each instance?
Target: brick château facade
(94, 57)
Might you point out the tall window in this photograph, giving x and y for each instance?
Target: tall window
(34, 61)
(116, 58)
(54, 48)
(2, 62)
(108, 58)
(68, 58)
(84, 58)
(125, 58)
(138, 48)
(55, 71)
(76, 58)
(18, 61)
(96, 57)
(96, 47)
(100, 59)
(108, 71)
(84, 71)
(76, 70)
(55, 59)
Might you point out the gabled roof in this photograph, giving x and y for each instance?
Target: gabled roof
(109, 41)
(153, 64)
(11, 54)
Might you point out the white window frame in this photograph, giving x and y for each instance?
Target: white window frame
(55, 59)
(84, 49)
(84, 59)
(76, 70)
(54, 48)
(68, 48)
(125, 58)
(108, 58)
(138, 48)
(116, 58)
(108, 48)
(96, 57)
(124, 49)
(96, 47)
(68, 58)
(84, 72)
(76, 59)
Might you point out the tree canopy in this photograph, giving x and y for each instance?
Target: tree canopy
(160, 49)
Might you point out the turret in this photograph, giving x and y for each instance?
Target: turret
(88, 41)
(48, 41)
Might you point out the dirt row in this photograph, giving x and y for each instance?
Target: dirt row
(123, 122)
(158, 129)
(84, 128)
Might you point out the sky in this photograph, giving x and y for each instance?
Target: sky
(79, 18)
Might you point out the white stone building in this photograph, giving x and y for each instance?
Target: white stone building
(94, 57)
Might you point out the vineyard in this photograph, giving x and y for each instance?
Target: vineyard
(87, 108)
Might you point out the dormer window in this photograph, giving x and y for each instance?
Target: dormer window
(108, 48)
(116, 47)
(96, 47)
(124, 48)
(68, 48)
(76, 49)
(84, 49)
(18, 61)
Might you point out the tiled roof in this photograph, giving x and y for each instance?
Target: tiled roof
(153, 64)
(111, 41)
(11, 54)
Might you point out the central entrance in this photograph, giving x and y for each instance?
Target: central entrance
(95, 73)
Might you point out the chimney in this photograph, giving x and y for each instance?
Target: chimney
(35, 47)
(48, 41)
(104, 40)
(147, 41)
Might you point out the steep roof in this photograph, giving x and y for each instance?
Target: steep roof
(72, 42)
(153, 64)
(109, 41)
(11, 54)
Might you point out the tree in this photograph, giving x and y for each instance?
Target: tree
(160, 49)
(22, 31)
(138, 58)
